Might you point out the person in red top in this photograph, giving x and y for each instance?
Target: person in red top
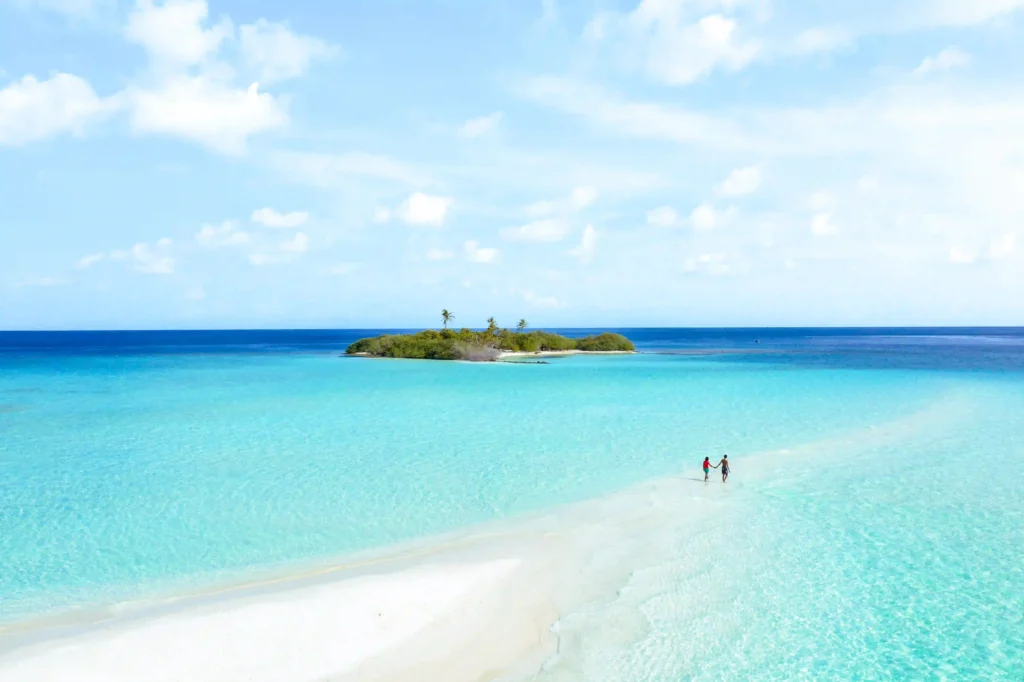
(707, 467)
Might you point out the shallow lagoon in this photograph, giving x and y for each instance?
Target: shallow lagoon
(879, 537)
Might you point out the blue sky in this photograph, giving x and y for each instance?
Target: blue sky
(192, 163)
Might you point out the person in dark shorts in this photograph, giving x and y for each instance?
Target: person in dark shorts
(707, 467)
(725, 467)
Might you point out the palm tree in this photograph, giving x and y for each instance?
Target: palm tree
(492, 326)
(521, 326)
(446, 317)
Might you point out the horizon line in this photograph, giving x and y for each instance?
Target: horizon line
(582, 327)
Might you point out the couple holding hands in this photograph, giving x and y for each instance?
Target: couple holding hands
(724, 464)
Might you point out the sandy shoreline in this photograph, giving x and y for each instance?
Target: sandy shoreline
(506, 355)
(472, 605)
(504, 600)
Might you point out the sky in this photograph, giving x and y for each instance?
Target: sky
(226, 164)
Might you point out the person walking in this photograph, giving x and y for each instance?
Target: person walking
(725, 467)
(707, 467)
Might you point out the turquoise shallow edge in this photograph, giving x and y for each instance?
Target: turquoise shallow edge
(121, 474)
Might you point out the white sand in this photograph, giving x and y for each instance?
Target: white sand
(465, 607)
(310, 633)
(507, 354)
(495, 602)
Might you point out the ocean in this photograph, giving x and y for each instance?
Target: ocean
(872, 527)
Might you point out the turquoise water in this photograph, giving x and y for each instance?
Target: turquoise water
(898, 559)
(885, 544)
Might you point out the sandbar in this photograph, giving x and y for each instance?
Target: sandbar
(478, 604)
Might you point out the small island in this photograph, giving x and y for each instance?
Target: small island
(488, 345)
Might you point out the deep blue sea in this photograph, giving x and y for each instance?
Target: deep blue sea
(884, 543)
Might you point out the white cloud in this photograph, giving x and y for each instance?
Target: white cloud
(822, 225)
(439, 254)
(261, 259)
(710, 264)
(549, 230)
(541, 208)
(820, 201)
(704, 218)
(147, 259)
(32, 110)
(424, 209)
(582, 197)
(740, 182)
(1003, 247)
(278, 53)
(381, 215)
(90, 260)
(578, 199)
(599, 26)
(819, 39)
(663, 216)
(968, 12)
(206, 111)
(637, 119)
(962, 255)
(868, 184)
(286, 251)
(225, 234)
(588, 244)
(898, 127)
(540, 301)
(332, 170)
(478, 127)
(42, 282)
(173, 32)
(297, 244)
(950, 58)
(268, 217)
(205, 107)
(678, 50)
(476, 254)
(549, 11)
(189, 91)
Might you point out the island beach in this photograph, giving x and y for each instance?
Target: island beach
(511, 355)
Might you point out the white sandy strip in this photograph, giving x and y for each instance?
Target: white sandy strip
(313, 633)
(477, 605)
(508, 354)
(463, 608)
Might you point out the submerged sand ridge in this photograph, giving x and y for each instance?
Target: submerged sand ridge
(508, 600)
(467, 608)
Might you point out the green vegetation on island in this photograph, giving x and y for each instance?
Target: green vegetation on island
(485, 345)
